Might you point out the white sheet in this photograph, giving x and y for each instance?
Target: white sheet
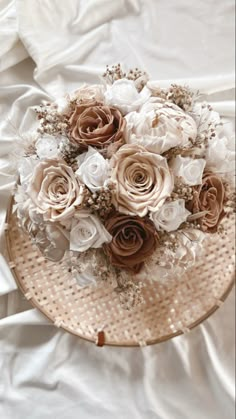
(48, 47)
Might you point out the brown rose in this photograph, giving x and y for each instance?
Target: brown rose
(208, 197)
(134, 239)
(96, 125)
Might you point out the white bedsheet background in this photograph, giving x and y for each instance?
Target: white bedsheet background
(48, 47)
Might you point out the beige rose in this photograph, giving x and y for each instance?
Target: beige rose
(208, 199)
(54, 190)
(143, 180)
(96, 125)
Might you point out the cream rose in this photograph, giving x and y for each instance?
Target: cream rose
(87, 231)
(122, 94)
(87, 93)
(170, 216)
(188, 169)
(93, 169)
(160, 126)
(143, 180)
(54, 190)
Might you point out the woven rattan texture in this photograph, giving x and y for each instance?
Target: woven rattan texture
(169, 309)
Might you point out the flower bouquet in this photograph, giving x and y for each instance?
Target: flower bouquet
(123, 180)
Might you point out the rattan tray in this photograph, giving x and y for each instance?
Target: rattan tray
(95, 314)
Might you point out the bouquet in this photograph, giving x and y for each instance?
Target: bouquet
(123, 180)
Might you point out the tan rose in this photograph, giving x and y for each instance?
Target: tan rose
(208, 198)
(54, 190)
(134, 239)
(97, 125)
(143, 180)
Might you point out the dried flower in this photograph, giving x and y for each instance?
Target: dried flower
(100, 201)
(130, 293)
(51, 121)
(182, 96)
(115, 72)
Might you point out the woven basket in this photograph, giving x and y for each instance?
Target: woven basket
(95, 314)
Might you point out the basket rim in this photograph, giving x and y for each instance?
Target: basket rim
(148, 342)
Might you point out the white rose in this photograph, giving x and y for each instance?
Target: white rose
(87, 231)
(170, 216)
(122, 94)
(160, 126)
(93, 169)
(190, 170)
(220, 155)
(47, 147)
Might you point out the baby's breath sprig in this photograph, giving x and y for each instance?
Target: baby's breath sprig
(115, 73)
(181, 96)
(167, 241)
(193, 150)
(230, 200)
(100, 201)
(181, 191)
(129, 292)
(51, 122)
(69, 152)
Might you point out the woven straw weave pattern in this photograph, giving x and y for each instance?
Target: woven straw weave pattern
(170, 308)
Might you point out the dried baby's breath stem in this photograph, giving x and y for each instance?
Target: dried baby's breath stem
(181, 96)
(101, 201)
(230, 199)
(168, 240)
(130, 293)
(194, 151)
(51, 122)
(181, 191)
(69, 151)
(115, 73)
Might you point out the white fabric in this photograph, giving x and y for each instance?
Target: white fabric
(45, 371)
